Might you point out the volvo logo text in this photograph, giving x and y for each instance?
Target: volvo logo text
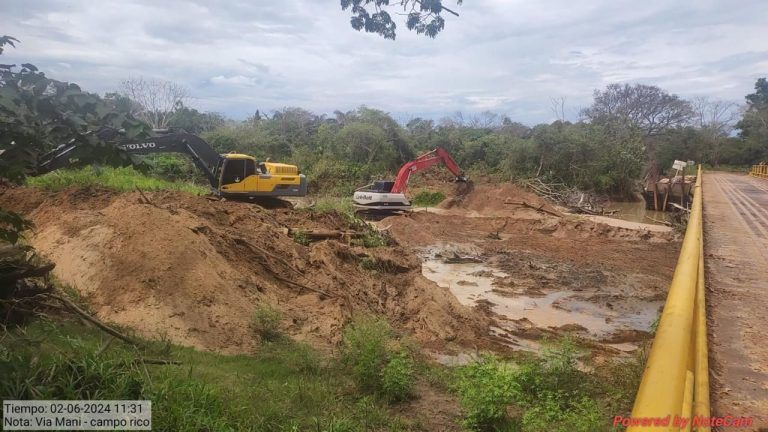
(138, 146)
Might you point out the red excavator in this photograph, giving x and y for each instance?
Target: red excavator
(389, 196)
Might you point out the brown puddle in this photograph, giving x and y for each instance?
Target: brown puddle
(538, 313)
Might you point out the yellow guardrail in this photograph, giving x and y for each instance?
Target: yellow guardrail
(674, 391)
(760, 170)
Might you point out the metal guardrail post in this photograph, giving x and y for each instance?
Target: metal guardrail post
(675, 382)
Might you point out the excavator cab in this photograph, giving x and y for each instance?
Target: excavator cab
(240, 175)
(379, 186)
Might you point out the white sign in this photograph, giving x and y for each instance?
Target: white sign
(679, 165)
(77, 415)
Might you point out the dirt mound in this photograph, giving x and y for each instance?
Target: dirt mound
(194, 270)
(493, 199)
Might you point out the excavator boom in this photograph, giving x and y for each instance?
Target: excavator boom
(233, 175)
(423, 162)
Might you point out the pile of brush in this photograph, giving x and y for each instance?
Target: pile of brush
(573, 199)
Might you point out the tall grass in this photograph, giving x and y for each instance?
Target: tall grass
(119, 179)
(286, 386)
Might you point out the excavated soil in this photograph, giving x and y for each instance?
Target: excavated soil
(194, 270)
(537, 275)
(480, 271)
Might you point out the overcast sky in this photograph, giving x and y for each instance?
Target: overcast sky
(508, 56)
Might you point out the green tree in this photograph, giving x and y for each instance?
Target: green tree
(254, 139)
(297, 126)
(754, 124)
(423, 16)
(365, 144)
(195, 122)
(650, 109)
(38, 113)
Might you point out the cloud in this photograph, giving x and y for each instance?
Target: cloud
(509, 56)
(235, 80)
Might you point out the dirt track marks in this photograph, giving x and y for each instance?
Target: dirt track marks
(736, 246)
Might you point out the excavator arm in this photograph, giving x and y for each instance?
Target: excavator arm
(164, 141)
(423, 162)
(231, 175)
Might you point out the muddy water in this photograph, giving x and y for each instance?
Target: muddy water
(636, 212)
(472, 283)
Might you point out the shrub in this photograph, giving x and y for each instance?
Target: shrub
(397, 377)
(372, 238)
(173, 167)
(551, 391)
(374, 265)
(485, 389)
(266, 322)
(618, 380)
(365, 350)
(379, 363)
(343, 206)
(296, 388)
(427, 199)
(553, 415)
(558, 368)
(301, 238)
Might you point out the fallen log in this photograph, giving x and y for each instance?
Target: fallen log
(325, 234)
(88, 317)
(537, 208)
(146, 200)
(659, 221)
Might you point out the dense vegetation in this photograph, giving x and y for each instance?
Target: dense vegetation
(286, 386)
(610, 151)
(629, 133)
(298, 388)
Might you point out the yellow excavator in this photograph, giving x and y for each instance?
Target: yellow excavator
(231, 175)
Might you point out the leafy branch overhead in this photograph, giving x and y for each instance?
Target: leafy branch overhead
(37, 114)
(422, 16)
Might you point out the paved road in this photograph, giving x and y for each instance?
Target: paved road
(736, 248)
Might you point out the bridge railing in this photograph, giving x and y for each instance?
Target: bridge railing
(675, 382)
(760, 170)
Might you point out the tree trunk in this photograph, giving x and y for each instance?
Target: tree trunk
(652, 171)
